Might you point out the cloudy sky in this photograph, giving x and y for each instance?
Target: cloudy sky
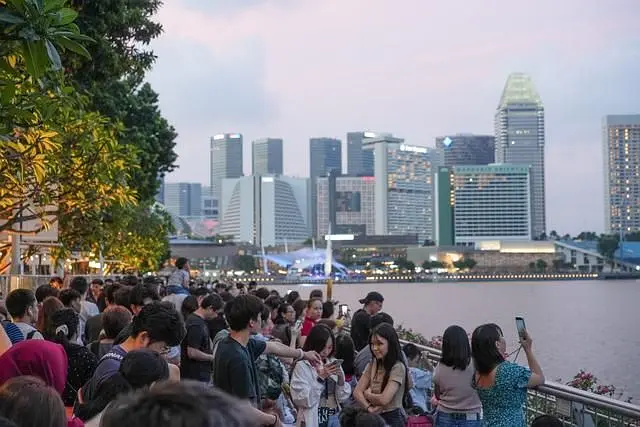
(418, 68)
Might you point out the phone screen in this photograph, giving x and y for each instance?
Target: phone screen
(344, 309)
(298, 323)
(520, 326)
(336, 362)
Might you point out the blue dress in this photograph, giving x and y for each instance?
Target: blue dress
(503, 403)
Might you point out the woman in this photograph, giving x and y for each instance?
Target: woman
(502, 385)
(286, 315)
(139, 369)
(114, 320)
(49, 306)
(319, 391)
(313, 314)
(62, 329)
(458, 402)
(28, 401)
(385, 384)
(421, 373)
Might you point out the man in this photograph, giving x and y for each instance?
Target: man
(364, 356)
(23, 308)
(360, 324)
(44, 291)
(13, 332)
(95, 291)
(196, 362)
(87, 308)
(94, 324)
(156, 327)
(235, 356)
(138, 297)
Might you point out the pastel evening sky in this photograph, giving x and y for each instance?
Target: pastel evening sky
(417, 68)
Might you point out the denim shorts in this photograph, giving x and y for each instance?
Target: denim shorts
(444, 419)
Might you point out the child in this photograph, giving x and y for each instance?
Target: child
(421, 372)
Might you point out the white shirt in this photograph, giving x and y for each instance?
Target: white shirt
(26, 329)
(87, 310)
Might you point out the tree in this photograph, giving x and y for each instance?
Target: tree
(587, 236)
(607, 246)
(566, 237)
(532, 266)
(56, 156)
(553, 235)
(632, 237)
(470, 263)
(541, 265)
(432, 265)
(245, 263)
(558, 264)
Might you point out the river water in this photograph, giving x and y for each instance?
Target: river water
(590, 324)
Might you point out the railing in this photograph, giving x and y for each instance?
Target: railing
(10, 282)
(576, 408)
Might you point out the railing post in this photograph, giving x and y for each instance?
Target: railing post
(580, 415)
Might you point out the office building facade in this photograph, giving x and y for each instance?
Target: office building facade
(348, 203)
(183, 199)
(483, 203)
(404, 187)
(325, 156)
(520, 138)
(266, 210)
(621, 155)
(226, 160)
(467, 149)
(267, 156)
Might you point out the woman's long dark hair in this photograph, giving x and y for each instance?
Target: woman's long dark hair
(393, 356)
(317, 339)
(62, 326)
(346, 350)
(483, 348)
(282, 312)
(456, 351)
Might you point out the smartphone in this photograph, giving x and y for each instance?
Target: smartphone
(520, 326)
(298, 324)
(336, 362)
(344, 310)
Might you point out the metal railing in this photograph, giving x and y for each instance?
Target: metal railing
(10, 282)
(574, 407)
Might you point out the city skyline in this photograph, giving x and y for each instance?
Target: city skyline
(267, 83)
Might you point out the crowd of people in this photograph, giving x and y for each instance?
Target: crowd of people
(139, 353)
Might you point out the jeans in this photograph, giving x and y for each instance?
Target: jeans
(444, 419)
(394, 418)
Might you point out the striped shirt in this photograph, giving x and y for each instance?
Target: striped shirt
(13, 332)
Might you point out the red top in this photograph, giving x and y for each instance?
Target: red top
(307, 325)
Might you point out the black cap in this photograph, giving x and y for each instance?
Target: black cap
(372, 296)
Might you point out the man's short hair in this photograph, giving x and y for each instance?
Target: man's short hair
(184, 403)
(80, 284)
(44, 291)
(181, 262)
(379, 318)
(115, 319)
(140, 293)
(18, 302)
(109, 291)
(241, 310)
(122, 296)
(212, 301)
(67, 296)
(263, 293)
(161, 322)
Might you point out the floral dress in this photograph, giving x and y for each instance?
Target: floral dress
(503, 403)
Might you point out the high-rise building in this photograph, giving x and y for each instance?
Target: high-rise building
(226, 160)
(266, 210)
(403, 187)
(360, 160)
(325, 155)
(209, 204)
(347, 202)
(183, 199)
(481, 203)
(267, 156)
(467, 149)
(621, 143)
(520, 138)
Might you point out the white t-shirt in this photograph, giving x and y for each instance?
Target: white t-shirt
(26, 329)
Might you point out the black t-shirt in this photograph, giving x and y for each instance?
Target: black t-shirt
(235, 368)
(82, 364)
(216, 325)
(360, 328)
(92, 328)
(197, 337)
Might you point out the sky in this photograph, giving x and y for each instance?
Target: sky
(297, 69)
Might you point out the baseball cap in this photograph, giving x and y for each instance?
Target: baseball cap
(372, 296)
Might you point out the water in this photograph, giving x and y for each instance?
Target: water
(592, 325)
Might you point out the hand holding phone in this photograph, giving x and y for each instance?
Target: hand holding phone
(336, 362)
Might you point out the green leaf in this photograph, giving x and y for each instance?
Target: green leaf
(66, 16)
(50, 5)
(10, 18)
(54, 56)
(73, 46)
(35, 56)
(17, 4)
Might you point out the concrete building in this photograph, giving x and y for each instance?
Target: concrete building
(520, 138)
(348, 203)
(266, 210)
(325, 155)
(467, 149)
(359, 160)
(267, 156)
(403, 187)
(183, 199)
(621, 146)
(209, 204)
(483, 203)
(226, 160)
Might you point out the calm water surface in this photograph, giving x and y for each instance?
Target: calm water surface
(591, 325)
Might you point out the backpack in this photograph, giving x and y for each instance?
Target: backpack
(31, 334)
(270, 376)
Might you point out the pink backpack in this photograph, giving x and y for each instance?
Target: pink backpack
(419, 421)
